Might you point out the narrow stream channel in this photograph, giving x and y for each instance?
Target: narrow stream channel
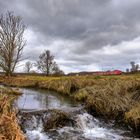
(34, 106)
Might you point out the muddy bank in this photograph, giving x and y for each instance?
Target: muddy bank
(115, 98)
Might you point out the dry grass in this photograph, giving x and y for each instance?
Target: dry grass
(133, 116)
(9, 129)
(109, 96)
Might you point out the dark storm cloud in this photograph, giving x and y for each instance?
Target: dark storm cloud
(82, 27)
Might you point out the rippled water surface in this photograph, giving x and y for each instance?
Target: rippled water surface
(43, 99)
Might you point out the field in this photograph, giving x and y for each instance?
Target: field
(110, 97)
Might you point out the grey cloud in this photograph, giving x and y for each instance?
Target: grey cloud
(93, 23)
(75, 19)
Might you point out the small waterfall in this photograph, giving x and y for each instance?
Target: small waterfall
(86, 127)
(37, 135)
(93, 129)
(86, 121)
(33, 127)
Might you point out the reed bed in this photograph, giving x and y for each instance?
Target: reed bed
(9, 128)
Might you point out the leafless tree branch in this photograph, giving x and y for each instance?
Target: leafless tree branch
(11, 42)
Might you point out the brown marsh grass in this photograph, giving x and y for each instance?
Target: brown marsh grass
(109, 96)
(9, 128)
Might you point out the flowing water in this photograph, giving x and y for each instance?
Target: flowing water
(35, 106)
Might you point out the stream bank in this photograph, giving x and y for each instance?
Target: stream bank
(113, 97)
(59, 118)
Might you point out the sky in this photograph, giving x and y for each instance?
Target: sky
(83, 35)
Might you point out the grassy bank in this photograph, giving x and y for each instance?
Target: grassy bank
(112, 97)
(9, 129)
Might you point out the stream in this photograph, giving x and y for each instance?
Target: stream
(37, 107)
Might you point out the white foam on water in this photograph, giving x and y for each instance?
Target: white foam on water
(37, 135)
(91, 128)
(86, 127)
(101, 133)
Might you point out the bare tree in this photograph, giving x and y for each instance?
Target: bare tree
(11, 42)
(134, 67)
(46, 62)
(28, 66)
(137, 67)
(57, 70)
(127, 70)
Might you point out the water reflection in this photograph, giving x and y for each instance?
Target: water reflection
(42, 99)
